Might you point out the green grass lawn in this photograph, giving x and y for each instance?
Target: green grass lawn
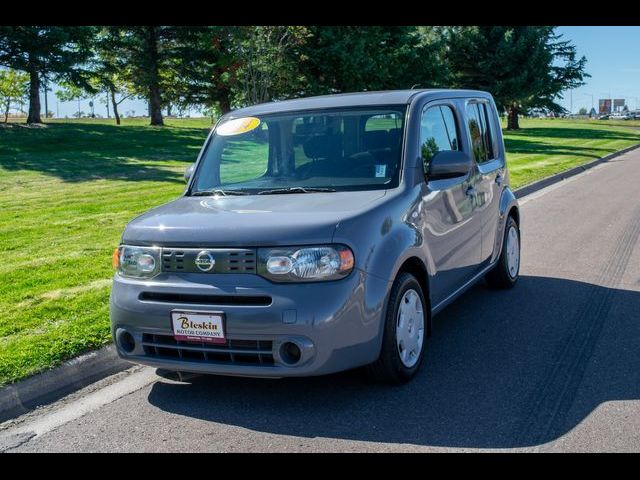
(67, 191)
(544, 147)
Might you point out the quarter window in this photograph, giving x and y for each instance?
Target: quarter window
(480, 132)
(437, 132)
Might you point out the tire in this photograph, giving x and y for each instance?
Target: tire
(505, 273)
(392, 367)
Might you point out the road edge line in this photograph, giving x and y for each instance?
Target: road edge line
(46, 387)
(572, 172)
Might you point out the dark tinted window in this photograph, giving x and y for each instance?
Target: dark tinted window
(437, 132)
(480, 132)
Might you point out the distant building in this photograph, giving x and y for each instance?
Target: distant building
(619, 105)
(604, 106)
(593, 113)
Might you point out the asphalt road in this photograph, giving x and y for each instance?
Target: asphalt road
(553, 364)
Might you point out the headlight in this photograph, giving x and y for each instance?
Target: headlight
(305, 264)
(137, 262)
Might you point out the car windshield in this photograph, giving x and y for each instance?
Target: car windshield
(313, 151)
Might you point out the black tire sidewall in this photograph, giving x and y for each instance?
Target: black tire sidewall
(404, 282)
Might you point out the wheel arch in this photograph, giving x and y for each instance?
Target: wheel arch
(508, 207)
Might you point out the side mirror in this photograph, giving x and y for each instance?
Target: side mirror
(449, 164)
(188, 172)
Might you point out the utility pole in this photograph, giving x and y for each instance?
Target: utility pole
(57, 109)
(590, 95)
(78, 107)
(571, 101)
(108, 106)
(46, 103)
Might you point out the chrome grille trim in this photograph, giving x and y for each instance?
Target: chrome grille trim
(227, 260)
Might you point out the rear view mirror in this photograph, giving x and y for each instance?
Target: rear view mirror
(449, 164)
(188, 172)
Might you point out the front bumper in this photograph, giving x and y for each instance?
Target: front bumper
(336, 325)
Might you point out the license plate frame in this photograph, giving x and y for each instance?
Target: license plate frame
(214, 317)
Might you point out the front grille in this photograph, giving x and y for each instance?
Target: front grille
(237, 352)
(227, 260)
(191, 298)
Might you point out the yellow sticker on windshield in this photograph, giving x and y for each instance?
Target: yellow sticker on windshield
(238, 126)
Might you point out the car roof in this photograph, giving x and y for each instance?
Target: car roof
(359, 99)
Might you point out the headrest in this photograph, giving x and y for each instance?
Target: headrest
(379, 139)
(323, 146)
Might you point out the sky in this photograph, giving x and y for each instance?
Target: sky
(613, 61)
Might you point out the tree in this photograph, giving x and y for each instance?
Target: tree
(522, 67)
(14, 87)
(267, 65)
(70, 92)
(582, 111)
(106, 70)
(222, 67)
(45, 50)
(204, 66)
(141, 53)
(346, 59)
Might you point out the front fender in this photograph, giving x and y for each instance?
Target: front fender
(384, 237)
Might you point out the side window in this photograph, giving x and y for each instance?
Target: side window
(481, 136)
(438, 132)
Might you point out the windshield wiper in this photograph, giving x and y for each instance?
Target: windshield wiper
(217, 191)
(296, 190)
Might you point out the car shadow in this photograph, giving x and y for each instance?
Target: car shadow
(509, 368)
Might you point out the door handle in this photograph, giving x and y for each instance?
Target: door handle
(471, 192)
(499, 179)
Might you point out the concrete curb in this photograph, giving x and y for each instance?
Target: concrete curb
(81, 371)
(51, 385)
(558, 177)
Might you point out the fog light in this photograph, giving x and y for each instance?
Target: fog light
(125, 340)
(290, 353)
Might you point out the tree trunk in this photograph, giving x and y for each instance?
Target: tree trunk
(512, 117)
(155, 108)
(112, 91)
(6, 111)
(46, 99)
(34, 96)
(155, 102)
(225, 101)
(108, 116)
(168, 110)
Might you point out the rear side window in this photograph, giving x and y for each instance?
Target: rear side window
(480, 132)
(438, 131)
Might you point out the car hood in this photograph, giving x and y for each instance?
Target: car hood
(250, 220)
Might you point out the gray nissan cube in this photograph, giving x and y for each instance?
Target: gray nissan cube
(320, 234)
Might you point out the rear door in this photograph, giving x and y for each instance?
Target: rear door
(450, 229)
(488, 151)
